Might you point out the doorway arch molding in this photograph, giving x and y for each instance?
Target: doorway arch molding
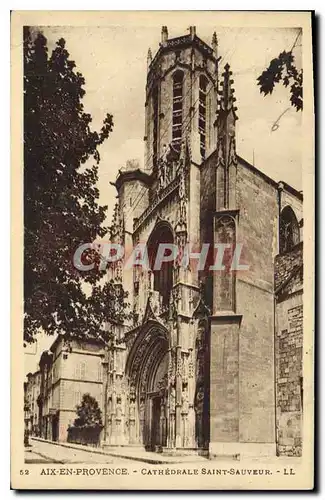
(145, 356)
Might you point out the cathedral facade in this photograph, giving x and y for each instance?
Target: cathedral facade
(194, 370)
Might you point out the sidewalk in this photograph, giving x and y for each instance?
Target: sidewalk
(127, 453)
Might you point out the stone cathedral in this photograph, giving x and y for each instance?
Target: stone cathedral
(197, 368)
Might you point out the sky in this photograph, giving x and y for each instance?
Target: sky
(113, 61)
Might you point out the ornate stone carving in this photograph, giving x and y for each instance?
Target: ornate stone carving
(191, 364)
(172, 400)
(162, 384)
(182, 194)
(171, 367)
(138, 360)
(178, 363)
(200, 337)
(199, 414)
(185, 367)
(185, 402)
(220, 154)
(225, 228)
(148, 365)
(232, 152)
(166, 167)
(199, 400)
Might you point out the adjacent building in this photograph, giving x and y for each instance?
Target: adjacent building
(289, 348)
(68, 370)
(31, 392)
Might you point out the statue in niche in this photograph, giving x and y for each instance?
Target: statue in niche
(200, 365)
(185, 401)
(162, 170)
(142, 406)
(132, 409)
(191, 365)
(200, 337)
(172, 400)
(142, 409)
(165, 153)
(199, 404)
(199, 400)
(182, 155)
(118, 408)
(161, 180)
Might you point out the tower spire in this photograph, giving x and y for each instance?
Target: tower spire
(149, 58)
(226, 145)
(164, 34)
(227, 98)
(214, 43)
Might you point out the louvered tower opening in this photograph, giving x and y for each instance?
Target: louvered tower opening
(202, 113)
(177, 108)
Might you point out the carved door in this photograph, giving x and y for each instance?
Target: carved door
(155, 423)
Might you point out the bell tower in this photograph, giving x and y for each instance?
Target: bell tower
(181, 96)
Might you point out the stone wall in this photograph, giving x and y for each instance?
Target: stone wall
(257, 231)
(289, 352)
(242, 341)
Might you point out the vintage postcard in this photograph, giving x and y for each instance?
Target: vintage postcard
(162, 250)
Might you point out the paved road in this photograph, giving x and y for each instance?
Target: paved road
(40, 452)
(45, 453)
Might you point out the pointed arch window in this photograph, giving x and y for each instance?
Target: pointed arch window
(203, 84)
(289, 230)
(163, 277)
(178, 80)
(225, 280)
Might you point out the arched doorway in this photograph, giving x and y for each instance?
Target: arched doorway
(147, 372)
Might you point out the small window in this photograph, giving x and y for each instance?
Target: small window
(77, 398)
(83, 371)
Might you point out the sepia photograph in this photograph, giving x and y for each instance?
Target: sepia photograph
(162, 319)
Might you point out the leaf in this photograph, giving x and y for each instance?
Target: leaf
(283, 68)
(285, 81)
